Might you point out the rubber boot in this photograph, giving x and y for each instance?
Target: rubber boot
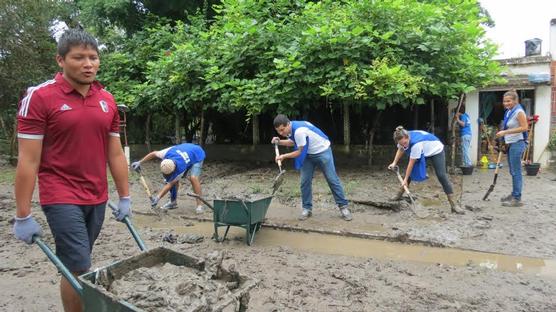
(454, 205)
(398, 195)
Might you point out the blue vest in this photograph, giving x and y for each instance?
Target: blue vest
(419, 172)
(508, 114)
(298, 161)
(184, 156)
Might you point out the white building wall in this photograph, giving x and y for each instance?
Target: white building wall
(529, 69)
(472, 109)
(542, 128)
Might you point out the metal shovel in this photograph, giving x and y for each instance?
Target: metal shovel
(414, 209)
(280, 177)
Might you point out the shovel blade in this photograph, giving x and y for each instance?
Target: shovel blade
(278, 181)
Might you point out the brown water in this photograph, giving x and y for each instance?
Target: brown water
(366, 248)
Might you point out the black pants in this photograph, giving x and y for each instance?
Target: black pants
(439, 165)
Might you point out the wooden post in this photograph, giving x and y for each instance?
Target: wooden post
(148, 133)
(347, 136)
(255, 121)
(453, 154)
(177, 128)
(376, 124)
(203, 133)
(432, 116)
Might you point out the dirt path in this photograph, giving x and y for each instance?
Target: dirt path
(296, 280)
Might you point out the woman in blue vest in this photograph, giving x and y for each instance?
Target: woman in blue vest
(514, 132)
(312, 149)
(421, 146)
(184, 160)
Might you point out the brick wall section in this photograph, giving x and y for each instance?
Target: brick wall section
(553, 95)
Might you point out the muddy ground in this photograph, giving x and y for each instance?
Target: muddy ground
(294, 279)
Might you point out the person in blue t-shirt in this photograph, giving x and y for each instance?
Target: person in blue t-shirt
(421, 146)
(312, 149)
(464, 123)
(183, 160)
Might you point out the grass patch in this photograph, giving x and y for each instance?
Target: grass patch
(7, 175)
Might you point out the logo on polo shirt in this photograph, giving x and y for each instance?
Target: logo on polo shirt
(103, 106)
(65, 107)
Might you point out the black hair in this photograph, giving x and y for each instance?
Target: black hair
(75, 37)
(280, 120)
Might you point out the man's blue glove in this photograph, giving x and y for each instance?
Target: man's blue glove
(25, 228)
(136, 166)
(154, 201)
(124, 209)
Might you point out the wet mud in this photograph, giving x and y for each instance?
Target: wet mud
(509, 266)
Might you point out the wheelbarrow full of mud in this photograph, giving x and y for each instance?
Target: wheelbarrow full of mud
(194, 284)
(248, 214)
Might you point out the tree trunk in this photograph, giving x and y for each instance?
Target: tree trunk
(13, 143)
(203, 133)
(255, 121)
(415, 116)
(376, 123)
(177, 129)
(432, 116)
(453, 125)
(347, 136)
(148, 132)
(6, 133)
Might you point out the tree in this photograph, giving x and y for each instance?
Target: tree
(27, 50)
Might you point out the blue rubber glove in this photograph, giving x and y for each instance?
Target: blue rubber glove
(25, 228)
(154, 200)
(124, 208)
(136, 166)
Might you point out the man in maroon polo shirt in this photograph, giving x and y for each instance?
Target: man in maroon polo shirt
(68, 131)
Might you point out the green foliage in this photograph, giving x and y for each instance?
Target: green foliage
(27, 49)
(257, 56)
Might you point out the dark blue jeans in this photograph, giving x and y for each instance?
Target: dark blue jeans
(325, 161)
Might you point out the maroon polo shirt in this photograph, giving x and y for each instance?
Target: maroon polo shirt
(75, 131)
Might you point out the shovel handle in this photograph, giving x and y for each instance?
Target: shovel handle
(199, 197)
(56, 261)
(145, 185)
(277, 152)
(131, 228)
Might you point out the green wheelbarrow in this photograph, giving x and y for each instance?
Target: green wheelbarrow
(247, 214)
(93, 286)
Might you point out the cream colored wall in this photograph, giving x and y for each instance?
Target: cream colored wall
(542, 127)
(529, 69)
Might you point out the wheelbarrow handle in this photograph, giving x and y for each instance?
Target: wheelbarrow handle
(56, 261)
(131, 228)
(199, 197)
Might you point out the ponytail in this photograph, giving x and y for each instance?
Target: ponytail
(400, 133)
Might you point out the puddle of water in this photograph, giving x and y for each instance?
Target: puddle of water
(365, 248)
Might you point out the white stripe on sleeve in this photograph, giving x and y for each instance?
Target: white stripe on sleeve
(30, 136)
(27, 99)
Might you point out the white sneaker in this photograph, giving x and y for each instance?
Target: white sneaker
(306, 213)
(200, 209)
(170, 205)
(346, 214)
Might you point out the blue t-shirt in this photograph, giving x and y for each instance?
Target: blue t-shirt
(184, 156)
(466, 128)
